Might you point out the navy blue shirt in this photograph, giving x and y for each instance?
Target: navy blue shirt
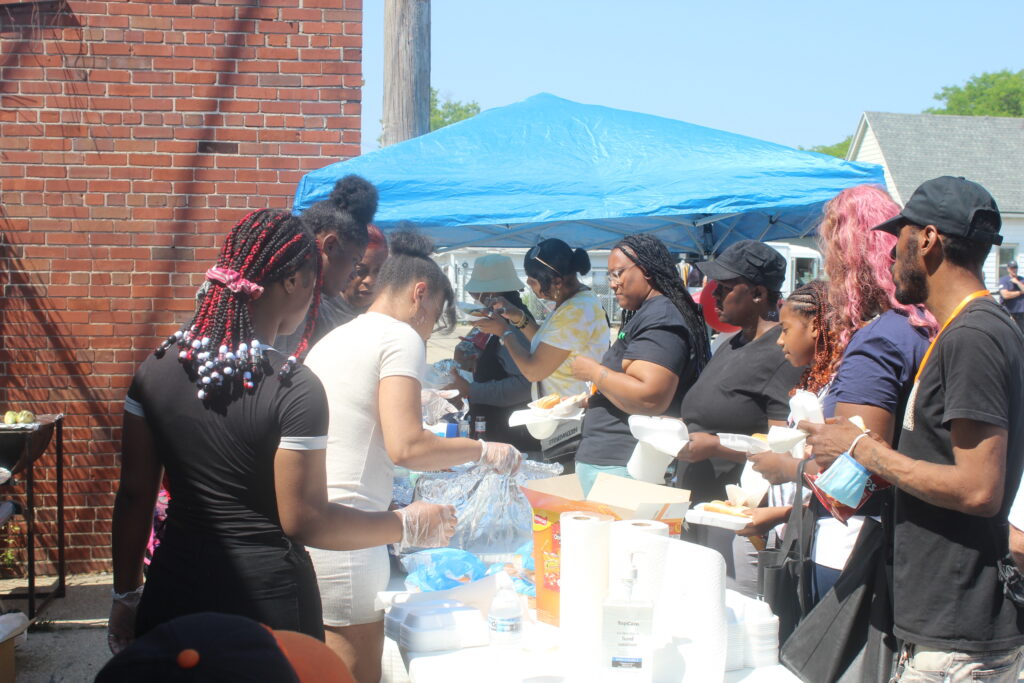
(1015, 305)
(878, 369)
(879, 365)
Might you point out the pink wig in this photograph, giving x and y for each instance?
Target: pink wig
(858, 260)
(377, 238)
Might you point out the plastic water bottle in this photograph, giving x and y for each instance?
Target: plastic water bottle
(505, 617)
(480, 428)
(464, 428)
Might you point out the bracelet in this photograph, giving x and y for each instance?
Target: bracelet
(507, 332)
(523, 322)
(855, 442)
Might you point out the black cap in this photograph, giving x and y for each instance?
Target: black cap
(1011, 264)
(751, 260)
(956, 206)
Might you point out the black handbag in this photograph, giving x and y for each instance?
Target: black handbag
(848, 637)
(784, 574)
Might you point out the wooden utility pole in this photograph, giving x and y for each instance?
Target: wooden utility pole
(406, 70)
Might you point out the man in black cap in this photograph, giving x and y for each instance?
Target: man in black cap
(1011, 290)
(961, 449)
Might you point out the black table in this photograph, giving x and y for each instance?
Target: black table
(20, 449)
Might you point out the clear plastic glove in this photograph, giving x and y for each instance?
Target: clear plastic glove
(121, 624)
(426, 525)
(502, 457)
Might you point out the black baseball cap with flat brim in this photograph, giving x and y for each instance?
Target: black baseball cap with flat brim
(955, 206)
(751, 260)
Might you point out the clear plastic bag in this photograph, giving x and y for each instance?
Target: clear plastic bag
(436, 404)
(495, 518)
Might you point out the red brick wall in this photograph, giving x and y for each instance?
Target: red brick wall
(132, 134)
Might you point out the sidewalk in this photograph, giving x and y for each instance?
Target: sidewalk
(68, 641)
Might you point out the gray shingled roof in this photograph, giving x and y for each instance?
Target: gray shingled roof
(986, 149)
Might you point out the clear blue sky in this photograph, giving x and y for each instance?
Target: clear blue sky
(793, 72)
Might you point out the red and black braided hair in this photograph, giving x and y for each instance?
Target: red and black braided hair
(218, 346)
(811, 302)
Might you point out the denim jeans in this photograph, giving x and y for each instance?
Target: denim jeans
(588, 473)
(927, 665)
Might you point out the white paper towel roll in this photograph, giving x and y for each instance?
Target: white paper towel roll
(637, 542)
(583, 584)
(690, 629)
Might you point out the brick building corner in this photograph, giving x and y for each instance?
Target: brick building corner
(132, 135)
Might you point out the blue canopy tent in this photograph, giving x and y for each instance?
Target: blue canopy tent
(549, 167)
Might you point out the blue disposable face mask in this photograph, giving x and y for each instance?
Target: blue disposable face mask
(845, 480)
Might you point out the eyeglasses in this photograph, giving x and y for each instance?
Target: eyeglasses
(615, 276)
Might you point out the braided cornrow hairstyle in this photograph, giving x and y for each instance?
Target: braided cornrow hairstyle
(218, 346)
(651, 255)
(811, 302)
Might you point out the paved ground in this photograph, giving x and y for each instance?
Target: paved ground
(67, 643)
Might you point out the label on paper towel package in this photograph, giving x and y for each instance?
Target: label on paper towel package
(616, 496)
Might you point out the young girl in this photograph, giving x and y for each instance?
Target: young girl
(808, 339)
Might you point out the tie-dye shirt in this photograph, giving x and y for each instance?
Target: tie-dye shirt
(580, 327)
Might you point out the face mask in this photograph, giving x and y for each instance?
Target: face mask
(844, 480)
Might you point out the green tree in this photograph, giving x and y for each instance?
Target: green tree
(839, 149)
(1000, 93)
(449, 111)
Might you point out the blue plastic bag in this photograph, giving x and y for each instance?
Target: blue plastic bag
(439, 569)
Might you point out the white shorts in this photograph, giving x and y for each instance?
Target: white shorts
(349, 582)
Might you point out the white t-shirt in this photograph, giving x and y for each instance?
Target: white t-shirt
(350, 362)
(578, 326)
(1016, 516)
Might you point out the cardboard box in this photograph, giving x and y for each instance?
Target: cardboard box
(7, 661)
(616, 496)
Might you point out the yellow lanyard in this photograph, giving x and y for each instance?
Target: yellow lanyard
(956, 311)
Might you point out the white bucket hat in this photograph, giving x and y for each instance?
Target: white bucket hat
(494, 273)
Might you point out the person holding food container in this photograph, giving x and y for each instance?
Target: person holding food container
(744, 388)
(657, 355)
(498, 387)
(544, 353)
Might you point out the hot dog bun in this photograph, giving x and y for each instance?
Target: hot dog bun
(549, 401)
(726, 508)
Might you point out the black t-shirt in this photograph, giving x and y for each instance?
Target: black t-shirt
(657, 333)
(744, 386)
(947, 592)
(219, 460)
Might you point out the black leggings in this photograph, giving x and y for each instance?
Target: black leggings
(190, 573)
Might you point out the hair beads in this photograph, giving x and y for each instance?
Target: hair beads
(217, 345)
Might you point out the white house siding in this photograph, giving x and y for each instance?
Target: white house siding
(1013, 235)
(870, 152)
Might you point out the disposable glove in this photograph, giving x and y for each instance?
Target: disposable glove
(502, 457)
(121, 624)
(426, 525)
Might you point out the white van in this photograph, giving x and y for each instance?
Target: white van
(803, 264)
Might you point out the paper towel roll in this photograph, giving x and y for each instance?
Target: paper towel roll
(636, 542)
(583, 584)
(690, 625)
